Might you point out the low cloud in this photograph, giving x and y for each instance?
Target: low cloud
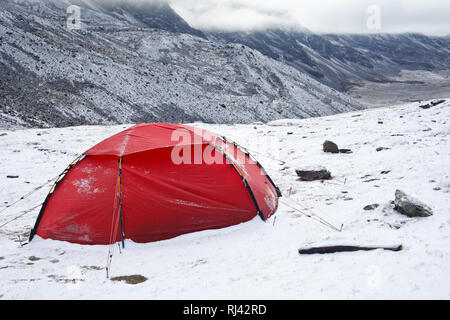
(324, 16)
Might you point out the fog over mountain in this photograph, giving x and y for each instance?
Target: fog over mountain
(320, 16)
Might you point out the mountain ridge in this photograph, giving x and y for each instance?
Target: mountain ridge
(338, 60)
(51, 76)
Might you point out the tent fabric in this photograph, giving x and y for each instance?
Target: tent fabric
(159, 198)
(144, 137)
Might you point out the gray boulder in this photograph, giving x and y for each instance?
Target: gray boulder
(313, 173)
(432, 104)
(330, 146)
(409, 206)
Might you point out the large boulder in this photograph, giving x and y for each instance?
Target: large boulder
(330, 146)
(409, 206)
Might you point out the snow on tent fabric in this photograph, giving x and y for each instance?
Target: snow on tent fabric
(134, 182)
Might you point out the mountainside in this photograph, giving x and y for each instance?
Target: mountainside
(341, 61)
(117, 70)
(107, 15)
(257, 260)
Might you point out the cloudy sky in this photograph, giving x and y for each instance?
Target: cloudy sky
(342, 16)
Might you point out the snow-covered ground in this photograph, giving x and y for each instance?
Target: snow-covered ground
(258, 260)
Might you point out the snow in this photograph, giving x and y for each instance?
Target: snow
(257, 260)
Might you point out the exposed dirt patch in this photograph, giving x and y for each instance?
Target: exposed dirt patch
(134, 279)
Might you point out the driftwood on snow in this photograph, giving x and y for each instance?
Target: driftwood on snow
(335, 249)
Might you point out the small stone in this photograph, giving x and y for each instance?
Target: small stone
(33, 258)
(381, 149)
(345, 151)
(431, 104)
(437, 102)
(330, 146)
(371, 180)
(313, 174)
(371, 207)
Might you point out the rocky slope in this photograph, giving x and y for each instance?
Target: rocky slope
(118, 70)
(342, 61)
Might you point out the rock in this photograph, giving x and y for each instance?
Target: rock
(330, 146)
(431, 104)
(409, 206)
(371, 180)
(345, 151)
(381, 149)
(371, 207)
(437, 102)
(425, 106)
(312, 174)
(12, 177)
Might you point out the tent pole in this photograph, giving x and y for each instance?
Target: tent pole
(120, 203)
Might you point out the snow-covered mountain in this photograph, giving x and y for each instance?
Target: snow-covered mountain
(118, 70)
(342, 61)
(404, 147)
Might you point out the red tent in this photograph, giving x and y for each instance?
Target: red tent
(153, 182)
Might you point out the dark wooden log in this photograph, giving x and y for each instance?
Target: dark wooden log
(335, 249)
